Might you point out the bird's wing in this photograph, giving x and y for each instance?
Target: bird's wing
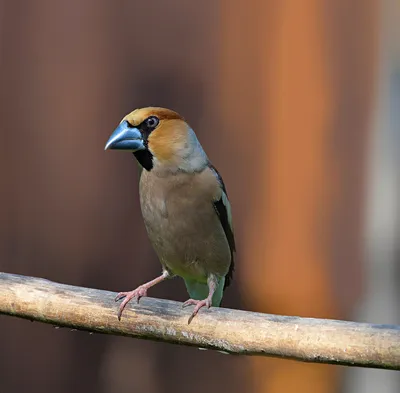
(223, 209)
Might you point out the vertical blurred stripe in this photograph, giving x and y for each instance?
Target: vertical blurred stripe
(294, 65)
(380, 304)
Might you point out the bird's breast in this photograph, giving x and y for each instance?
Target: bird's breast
(183, 226)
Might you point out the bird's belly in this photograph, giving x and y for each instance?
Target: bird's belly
(190, 243)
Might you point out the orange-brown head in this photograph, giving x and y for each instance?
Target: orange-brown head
(159, 138)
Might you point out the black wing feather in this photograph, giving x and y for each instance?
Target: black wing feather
(222, 212)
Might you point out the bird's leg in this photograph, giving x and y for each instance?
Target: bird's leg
(212, 282)
(139, 292)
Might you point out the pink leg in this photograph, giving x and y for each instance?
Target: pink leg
(139, 292)
(212, 285)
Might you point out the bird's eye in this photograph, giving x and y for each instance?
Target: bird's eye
(152, 122)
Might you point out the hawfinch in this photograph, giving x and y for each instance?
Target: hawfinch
(184, 205)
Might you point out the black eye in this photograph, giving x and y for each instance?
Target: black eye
(152, 122)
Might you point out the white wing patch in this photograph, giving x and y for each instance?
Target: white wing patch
(227, 205)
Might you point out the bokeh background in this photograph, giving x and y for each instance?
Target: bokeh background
(297, 104)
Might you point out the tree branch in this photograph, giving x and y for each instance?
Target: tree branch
(232, 331)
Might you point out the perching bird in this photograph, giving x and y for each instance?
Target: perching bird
(184, 205)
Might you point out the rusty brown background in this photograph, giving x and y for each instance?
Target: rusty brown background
(281, 95)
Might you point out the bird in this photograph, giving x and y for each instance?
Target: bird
(184, 204)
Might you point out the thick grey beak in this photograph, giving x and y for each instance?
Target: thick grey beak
(125, 137)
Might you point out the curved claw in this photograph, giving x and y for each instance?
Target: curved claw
(198, 305)
(136, 293)
(120, 296)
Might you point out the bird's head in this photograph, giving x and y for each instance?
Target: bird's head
(160, 139)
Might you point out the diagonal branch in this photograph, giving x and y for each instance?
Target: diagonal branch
(233, 331)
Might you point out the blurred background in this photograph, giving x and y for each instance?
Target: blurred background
(296, 103)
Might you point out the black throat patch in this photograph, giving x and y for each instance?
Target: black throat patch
(145, 158)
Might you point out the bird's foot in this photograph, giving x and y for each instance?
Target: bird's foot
(136, 293)
(198, 305)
